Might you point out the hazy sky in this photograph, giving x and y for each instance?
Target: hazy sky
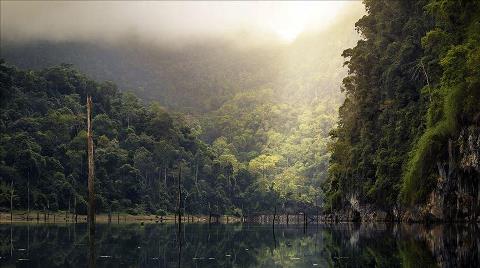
(165, 21)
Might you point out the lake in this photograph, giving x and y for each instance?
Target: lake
(236, 245)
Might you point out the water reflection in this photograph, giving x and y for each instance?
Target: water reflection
(196, 245)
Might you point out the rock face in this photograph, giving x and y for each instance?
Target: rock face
(455, 197)
(364, 214)
(457, 194)
(469, 147)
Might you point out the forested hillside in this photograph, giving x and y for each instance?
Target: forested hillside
(408, 135)
(138, 148)
(263, 113)
(194, 78)
(139, 151)
(263, 152)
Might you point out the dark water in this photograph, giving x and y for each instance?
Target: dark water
(198, 245)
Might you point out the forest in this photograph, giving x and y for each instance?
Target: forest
(372, 117)
(408, 132)
(139, 151)
(249, 137)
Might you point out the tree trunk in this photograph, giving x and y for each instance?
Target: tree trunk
(11, 201)
(91, 189)
(196, 179)
(75, 207)
(67, 213)
(165, 176)
(74, 201)
(425, 73)
(274, 216)
(28, 196)
(179, 211)
(159, 183)
(209, 214)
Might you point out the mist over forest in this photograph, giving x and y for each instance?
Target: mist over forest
(358, 109)
(199, 73)
(249, 97)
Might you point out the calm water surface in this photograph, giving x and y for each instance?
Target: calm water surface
(198, 245)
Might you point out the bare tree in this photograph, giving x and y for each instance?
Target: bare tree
(179, 211)
(11, 201)
(91, 174)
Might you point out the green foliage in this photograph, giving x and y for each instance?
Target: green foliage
(381, 115)
(138, 148)
(247, 101)
(412, 87)
(281, 143)
(418, 183)
(457, 91)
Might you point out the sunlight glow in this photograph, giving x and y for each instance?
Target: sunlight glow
(166, 21)
(289, 33)
(289, 19)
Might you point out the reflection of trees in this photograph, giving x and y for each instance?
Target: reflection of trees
(339, 245)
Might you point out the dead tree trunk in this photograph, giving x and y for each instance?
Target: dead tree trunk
(28, 196)
(11, 201)
(196, 178)
(209, 214)
(67, 213)
(74, 201)
(179, 211)
(165, 176)
(159, 184)
(91, 189)
(274, 216)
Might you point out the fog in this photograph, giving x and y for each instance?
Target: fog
(163, 50)
(167, 22)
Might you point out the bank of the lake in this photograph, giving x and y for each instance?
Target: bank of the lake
(19, 216)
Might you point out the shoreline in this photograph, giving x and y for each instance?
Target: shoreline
(62, 217)
(20, 216)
